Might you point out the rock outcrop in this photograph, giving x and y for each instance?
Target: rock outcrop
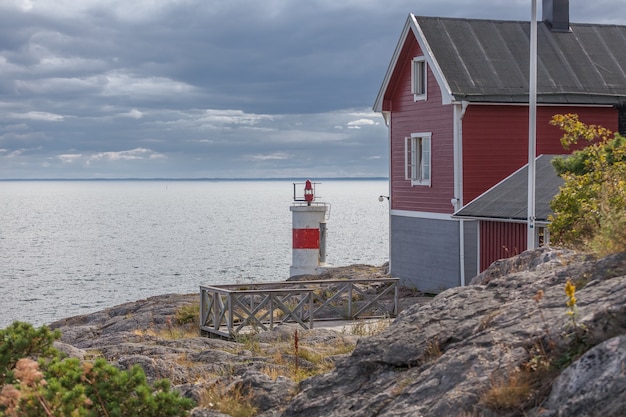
(507, 345)
(471, 349)
(149, 333)
(593, 385)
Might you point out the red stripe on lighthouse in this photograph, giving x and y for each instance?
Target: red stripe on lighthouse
(306, 238)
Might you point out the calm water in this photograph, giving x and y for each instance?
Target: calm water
(73, 247)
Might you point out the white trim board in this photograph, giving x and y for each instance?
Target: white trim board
(422, 215)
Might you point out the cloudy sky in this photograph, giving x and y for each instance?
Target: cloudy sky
(209, 88)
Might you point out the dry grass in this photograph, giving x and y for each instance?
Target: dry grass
(284, 364)
(174, 333)
(486, 321)
(231, 401)
(317, 360)
(188, 314)
(401, 386)
(368, 327)
(93, 354)
(273, 372)
(432, 351)
(249, 342)
(312, 359)
(173, 329)
(145, 332)
(509, 393)
(169, 333)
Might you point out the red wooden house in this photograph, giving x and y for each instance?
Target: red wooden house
(455, 99)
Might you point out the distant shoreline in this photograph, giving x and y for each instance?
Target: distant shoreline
(193, 179)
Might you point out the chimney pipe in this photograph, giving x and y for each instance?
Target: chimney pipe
(556, 15)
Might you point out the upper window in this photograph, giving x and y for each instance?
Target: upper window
(417, 158)
(418, 78)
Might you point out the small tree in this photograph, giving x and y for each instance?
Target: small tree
(22, 340)
(590, 209)
(53, 386)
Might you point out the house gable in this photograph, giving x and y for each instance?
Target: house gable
(422, 118)
(411, 33)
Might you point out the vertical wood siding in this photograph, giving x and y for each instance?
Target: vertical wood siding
(422, 116)
(495, 140)
(500, 240)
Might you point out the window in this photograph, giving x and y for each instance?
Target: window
(417, 158)
(418, 78)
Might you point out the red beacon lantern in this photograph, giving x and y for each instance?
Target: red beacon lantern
(308, 192)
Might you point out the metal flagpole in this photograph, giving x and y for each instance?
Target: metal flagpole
(532, 126)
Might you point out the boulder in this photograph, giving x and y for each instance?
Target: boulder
(594, 385)
(265, 393)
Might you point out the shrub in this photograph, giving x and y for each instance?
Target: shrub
(590, 209)
(54, 386)
(21, 340)
(188, 314)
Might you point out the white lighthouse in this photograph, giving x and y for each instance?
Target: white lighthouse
(309, 233)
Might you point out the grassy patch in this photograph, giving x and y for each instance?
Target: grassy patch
(231, 401)
(508, 393)
(249, 342)
(432, 352)
(188, 314)
(368, 327)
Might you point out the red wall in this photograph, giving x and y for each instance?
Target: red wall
(495, 144)
(495, 140)
(409, 117)
(501, 240)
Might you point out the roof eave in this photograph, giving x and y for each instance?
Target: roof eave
(499, 219)
(555, 99)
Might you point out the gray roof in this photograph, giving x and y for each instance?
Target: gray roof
(488, 60)
(508, 200)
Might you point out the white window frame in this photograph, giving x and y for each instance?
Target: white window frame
(418, 158)
(418, 78)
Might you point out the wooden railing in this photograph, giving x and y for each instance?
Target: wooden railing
(227, 310)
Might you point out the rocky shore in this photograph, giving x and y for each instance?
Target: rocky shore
(512, 343)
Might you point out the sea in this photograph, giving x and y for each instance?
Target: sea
(74, 247)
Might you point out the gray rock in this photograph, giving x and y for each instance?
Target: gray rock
(126, 320)
(69, 350)
(156, 368)
(594, 385)
(203, 412)
(439, 358)
(266, 393)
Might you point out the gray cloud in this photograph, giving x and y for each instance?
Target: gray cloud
(211, 88)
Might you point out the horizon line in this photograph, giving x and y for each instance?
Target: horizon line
(195, 179)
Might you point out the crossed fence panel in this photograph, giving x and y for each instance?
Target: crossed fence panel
(229, 310)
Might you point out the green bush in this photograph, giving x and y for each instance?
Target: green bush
(590, 209)
(21, 340)
(188, 314)
(55, 386)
